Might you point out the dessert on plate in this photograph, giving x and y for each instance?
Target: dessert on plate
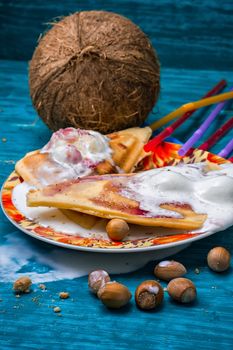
(81, 179)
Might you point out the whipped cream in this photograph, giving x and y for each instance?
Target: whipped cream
(75, 153)
(208, 193)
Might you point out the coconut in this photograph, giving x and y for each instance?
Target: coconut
(94, 70)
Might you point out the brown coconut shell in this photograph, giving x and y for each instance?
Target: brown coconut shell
(94, 70)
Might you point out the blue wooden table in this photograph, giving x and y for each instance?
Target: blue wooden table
(29, 322)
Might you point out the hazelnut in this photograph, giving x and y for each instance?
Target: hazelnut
(182, 290)
(64, 295)
(167, 270)
(149, 295)
(114, 295)
(22, 284)
(97, 279)
(117, 229)
(219, 259)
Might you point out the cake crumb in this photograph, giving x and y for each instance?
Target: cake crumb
(42, 286)
(4, 139)
(197, 271)
(64, 295)
(57, 309)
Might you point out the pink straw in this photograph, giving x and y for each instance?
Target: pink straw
(217, 135)
(226, 150)
(202, 129)
(171, 128)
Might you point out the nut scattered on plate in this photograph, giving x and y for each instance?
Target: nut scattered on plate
(117, 229)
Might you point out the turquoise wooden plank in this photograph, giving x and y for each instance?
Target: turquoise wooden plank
(28, 323)
(186, 33)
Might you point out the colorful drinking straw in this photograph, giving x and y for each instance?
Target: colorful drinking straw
(190, 107)
(171, 128)
(202, 129)
(226, 150)
(217, 135)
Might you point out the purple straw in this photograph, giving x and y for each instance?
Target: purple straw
(202, 129)
(226, 150)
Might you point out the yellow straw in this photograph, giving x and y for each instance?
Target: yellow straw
(190, 107)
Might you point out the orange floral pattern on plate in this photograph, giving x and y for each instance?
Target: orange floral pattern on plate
(165, 154)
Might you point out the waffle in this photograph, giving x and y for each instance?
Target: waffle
(127, 146)
(101, 196)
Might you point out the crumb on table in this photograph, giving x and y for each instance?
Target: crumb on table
(57, 309)
(64, 295)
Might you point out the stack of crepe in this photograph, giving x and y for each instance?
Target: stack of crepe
(103, 196)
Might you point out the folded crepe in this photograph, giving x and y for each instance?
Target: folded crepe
(111, 196)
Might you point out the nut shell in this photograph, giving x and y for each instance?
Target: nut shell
(22, 284)
(148, 295)
(219, 259)
(114, 295)
(167, 270)
(117, 229)
(182, 290)
(97, 279)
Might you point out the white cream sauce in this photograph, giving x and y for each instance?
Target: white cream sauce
(208, 193)
(74, 153)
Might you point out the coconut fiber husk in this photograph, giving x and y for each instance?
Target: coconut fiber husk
(94, 70)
